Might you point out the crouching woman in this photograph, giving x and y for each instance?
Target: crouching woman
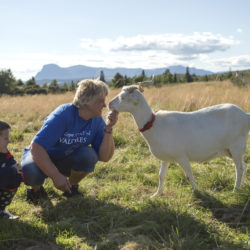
(70, 142)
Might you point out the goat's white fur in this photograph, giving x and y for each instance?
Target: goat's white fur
(184, 137)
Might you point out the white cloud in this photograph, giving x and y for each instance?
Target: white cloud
(239, 30)
(176, 44)
(235, 62)
(144, 51)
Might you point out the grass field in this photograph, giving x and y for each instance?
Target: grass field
(115, 211)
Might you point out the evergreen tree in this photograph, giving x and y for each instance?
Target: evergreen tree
(126, 80)
(72, 86)
(143, 75)
(7, 81)
(188, 77)
(166, 72)
(19, 83)
(118, 80)
(175, 78)
(53, 87)
(230, 74)
(54, 83)
(64, 88)
(31, 82)
(102, 78)
(205, 78)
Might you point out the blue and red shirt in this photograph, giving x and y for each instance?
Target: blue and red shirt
(8, 173)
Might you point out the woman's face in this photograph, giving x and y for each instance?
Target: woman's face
(97, 106)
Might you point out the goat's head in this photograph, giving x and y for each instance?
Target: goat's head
(128, 99)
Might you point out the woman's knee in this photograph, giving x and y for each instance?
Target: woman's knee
(85, 159)
(33, 176)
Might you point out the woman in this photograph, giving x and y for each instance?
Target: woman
(70, 142)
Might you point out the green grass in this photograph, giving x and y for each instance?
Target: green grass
(116, 211)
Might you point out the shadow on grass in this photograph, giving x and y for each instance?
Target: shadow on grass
(109, 226)
(99, 224)
(235, 216)
(19, 235)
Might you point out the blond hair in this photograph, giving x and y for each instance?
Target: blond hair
(88, 90)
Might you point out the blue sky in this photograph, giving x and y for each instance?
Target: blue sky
(209, 34)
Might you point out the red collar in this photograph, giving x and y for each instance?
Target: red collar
(149, 124)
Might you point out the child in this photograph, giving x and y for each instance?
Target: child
(10, 173)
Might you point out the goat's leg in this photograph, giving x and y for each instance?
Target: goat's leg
(237, 151)
(240, 167)
(162, 174)
(184, 162)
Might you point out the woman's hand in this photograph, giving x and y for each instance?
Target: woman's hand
(112, 118)
(43, 161)
(61, 183)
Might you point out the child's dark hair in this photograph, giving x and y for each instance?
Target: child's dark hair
(3, 126)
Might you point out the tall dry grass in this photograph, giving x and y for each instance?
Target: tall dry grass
(181, 97)
(33, 103)
(193, 96)
(22, 111)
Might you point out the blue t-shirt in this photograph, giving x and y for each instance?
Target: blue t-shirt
(64, 131)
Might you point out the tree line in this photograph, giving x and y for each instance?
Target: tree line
(9, 85)
(168, 78)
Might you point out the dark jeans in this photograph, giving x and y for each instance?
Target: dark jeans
(82, 159)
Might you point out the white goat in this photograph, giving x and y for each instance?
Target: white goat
(188, 136)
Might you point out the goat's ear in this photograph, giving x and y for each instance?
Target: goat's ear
(140, 88)
(131, 89)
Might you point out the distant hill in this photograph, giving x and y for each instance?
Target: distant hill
(75, 73)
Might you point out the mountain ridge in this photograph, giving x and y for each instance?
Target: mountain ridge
(50, 72)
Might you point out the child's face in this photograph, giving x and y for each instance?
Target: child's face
(4, 140)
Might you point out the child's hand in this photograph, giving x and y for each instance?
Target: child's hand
(18, 168)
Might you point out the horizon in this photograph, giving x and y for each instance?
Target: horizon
(211, 36)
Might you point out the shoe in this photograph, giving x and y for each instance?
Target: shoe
(34, 197)
(74, 191)
(6, 214)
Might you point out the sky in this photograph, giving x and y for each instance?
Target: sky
(212, 35)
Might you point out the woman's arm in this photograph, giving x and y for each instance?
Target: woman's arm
(107, 146)
(43, 161)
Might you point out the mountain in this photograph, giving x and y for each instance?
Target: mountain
(75, 73)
